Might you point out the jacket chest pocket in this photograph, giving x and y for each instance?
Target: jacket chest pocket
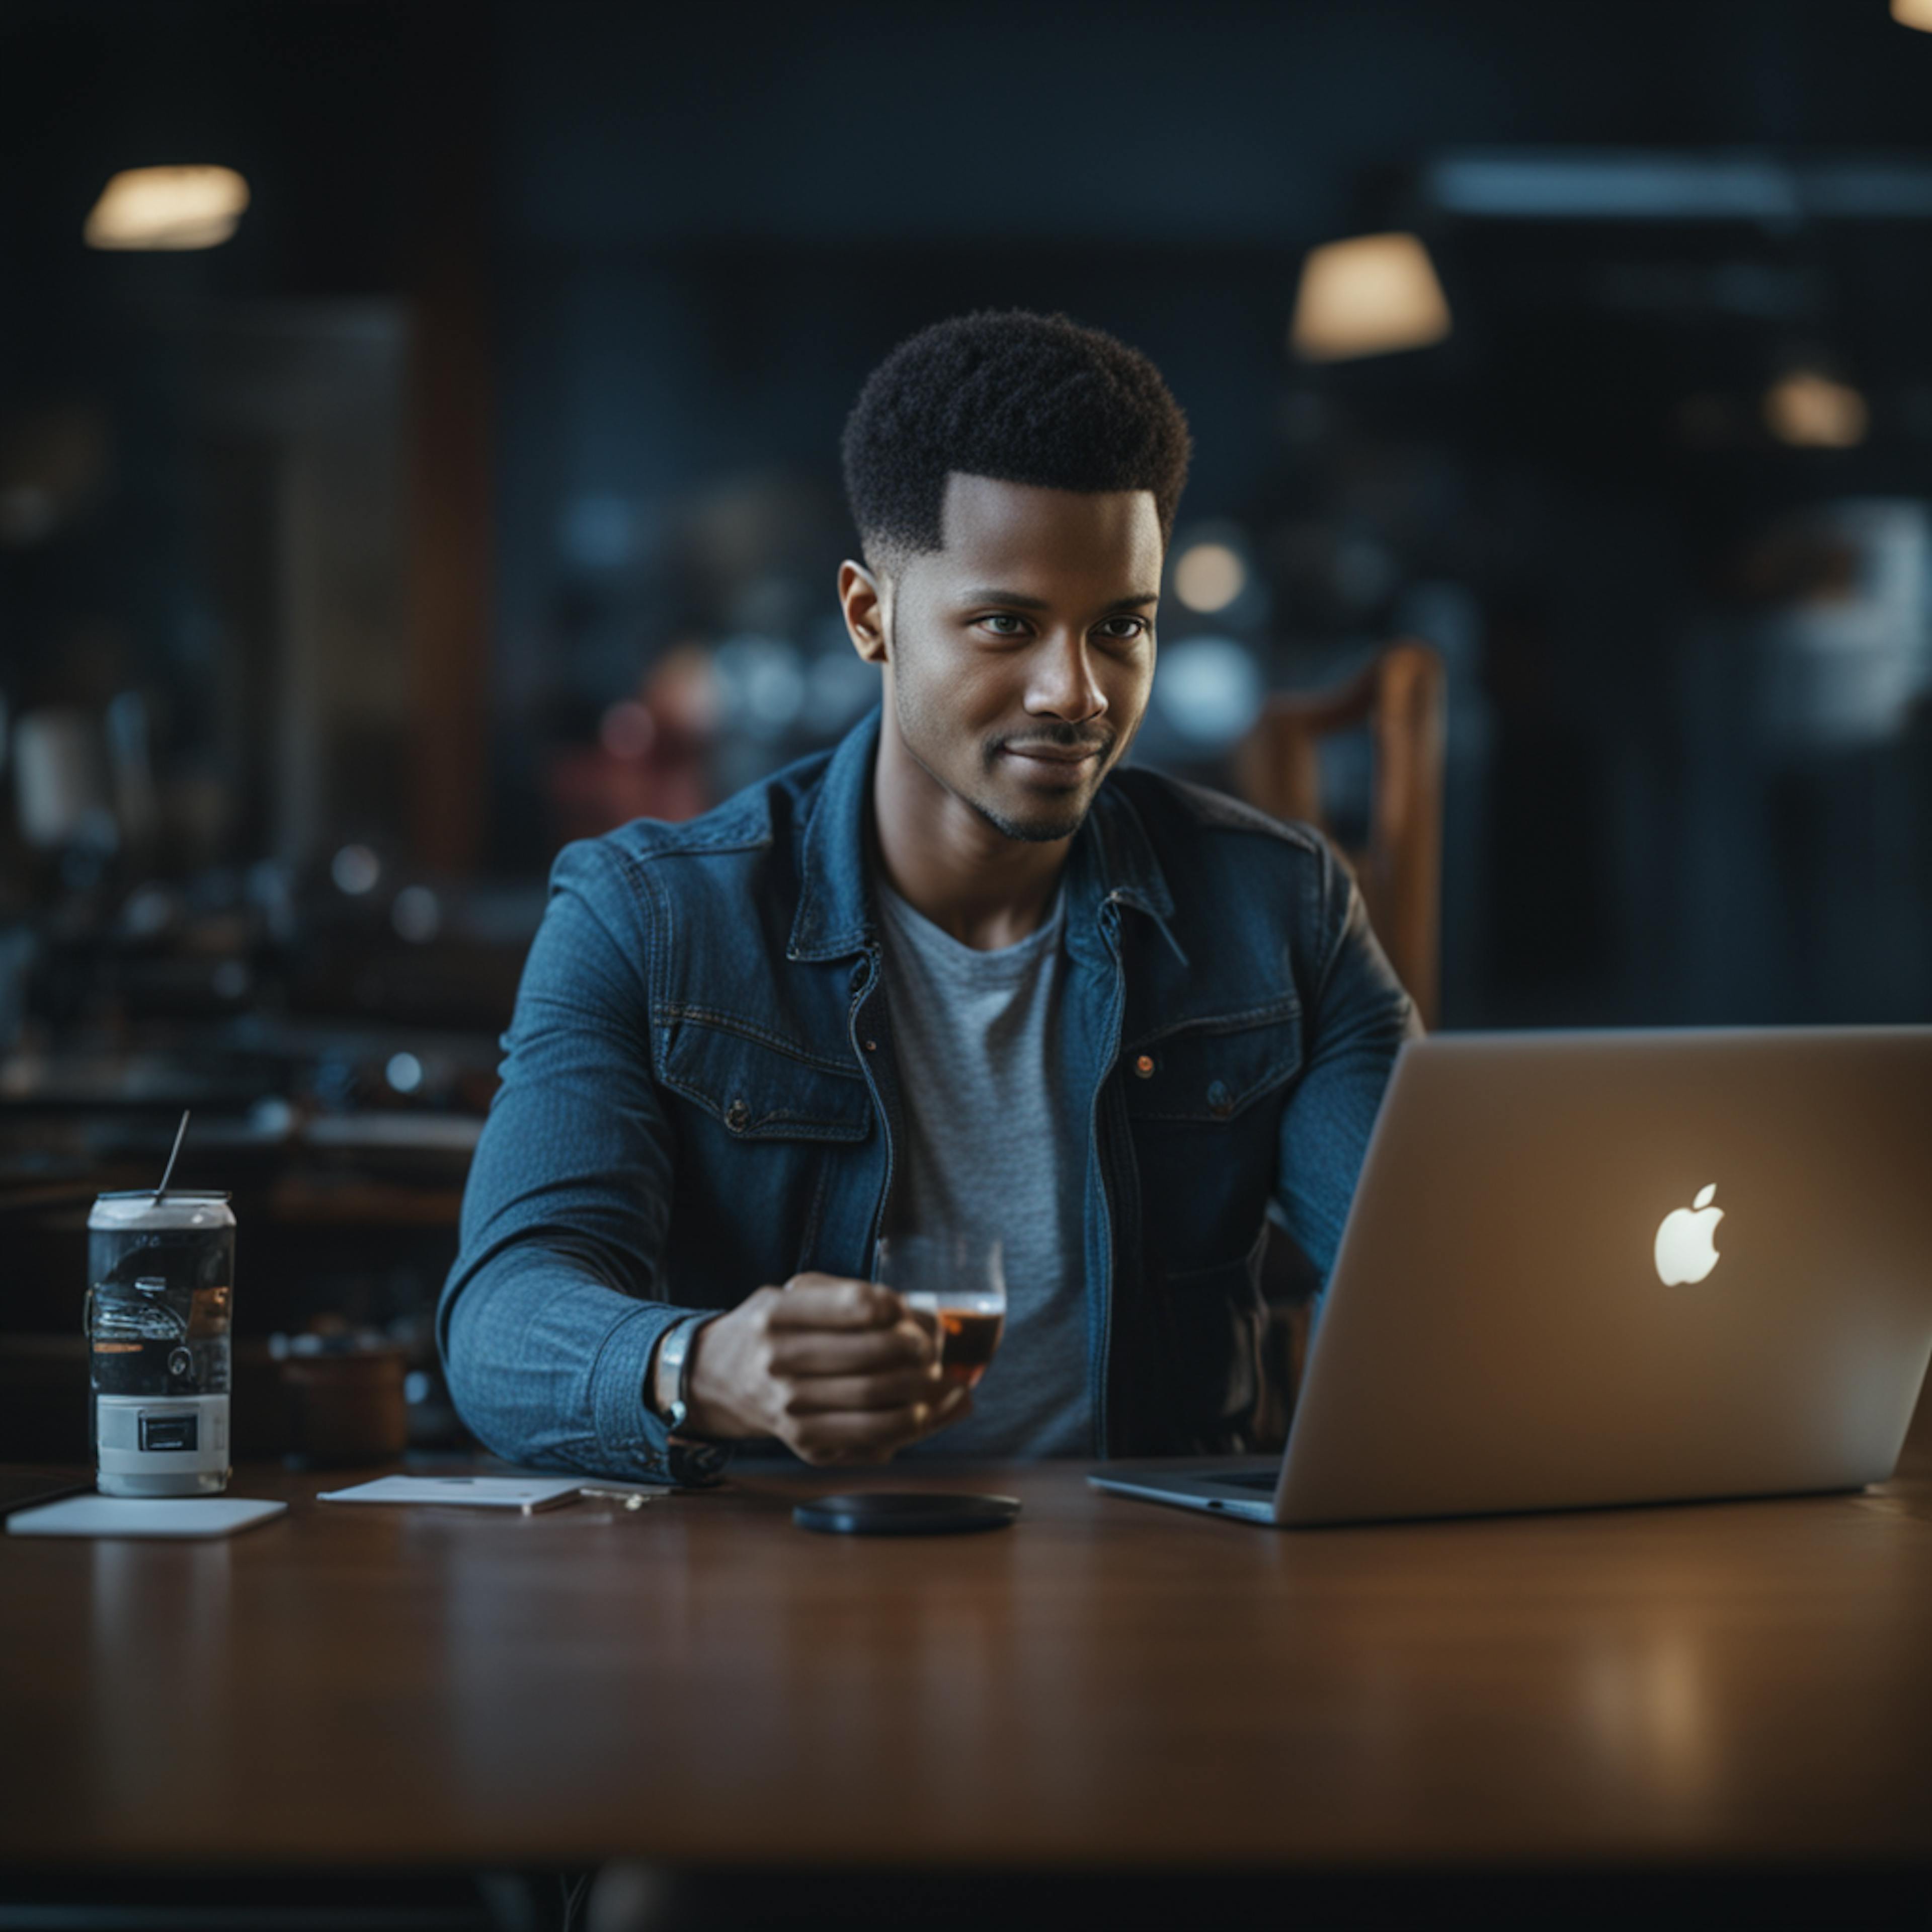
(1204, 1103)
(766, 1138)
(757, 1089)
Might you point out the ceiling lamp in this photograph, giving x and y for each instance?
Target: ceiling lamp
(1913, 14)
(1812, 412)
(167, 207)
(1367, 296)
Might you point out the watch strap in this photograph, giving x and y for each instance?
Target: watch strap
(671, 1371)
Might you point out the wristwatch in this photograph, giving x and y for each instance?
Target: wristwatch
(670, 1396)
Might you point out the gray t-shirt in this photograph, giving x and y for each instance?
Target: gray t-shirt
(994, 1150)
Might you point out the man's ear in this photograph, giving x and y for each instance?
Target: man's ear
(866, 601)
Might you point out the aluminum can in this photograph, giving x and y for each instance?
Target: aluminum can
(160, 1298)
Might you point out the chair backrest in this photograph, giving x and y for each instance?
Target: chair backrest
(1399, 699)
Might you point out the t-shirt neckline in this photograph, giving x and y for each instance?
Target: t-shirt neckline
(903, 913)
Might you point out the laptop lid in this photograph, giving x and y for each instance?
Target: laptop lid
(1616, 1267)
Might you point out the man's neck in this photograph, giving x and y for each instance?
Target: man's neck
(949, 864)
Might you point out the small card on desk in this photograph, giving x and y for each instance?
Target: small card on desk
(143, 1515)
(525, 1493)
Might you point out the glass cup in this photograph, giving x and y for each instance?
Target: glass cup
(957, 1283)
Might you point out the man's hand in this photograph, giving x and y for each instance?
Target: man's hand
(839, 1371)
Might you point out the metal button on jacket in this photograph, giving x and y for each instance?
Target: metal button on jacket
(737, 1117)
(1220, 1102)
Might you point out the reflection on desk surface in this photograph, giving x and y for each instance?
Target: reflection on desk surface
(1107, 1683)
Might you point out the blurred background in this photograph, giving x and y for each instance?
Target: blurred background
(418, 448)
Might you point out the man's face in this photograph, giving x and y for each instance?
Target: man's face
(1019, 656)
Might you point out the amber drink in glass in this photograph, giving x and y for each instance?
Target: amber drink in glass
(957, 1283)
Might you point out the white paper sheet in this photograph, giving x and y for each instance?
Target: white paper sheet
(512, 1493)
(143, 1515)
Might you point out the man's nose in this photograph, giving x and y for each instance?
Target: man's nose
(1062, 684)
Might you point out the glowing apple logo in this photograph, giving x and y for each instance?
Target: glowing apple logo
(1684, 1251)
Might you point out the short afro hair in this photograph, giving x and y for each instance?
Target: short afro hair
(1020, 397)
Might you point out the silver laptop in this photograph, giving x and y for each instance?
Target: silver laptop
(1584, 1269)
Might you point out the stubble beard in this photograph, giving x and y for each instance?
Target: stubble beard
(1025, 832)
(1036, 832)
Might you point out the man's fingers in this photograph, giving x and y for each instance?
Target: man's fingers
(832, 1301)
(856, 1435)
(849, 1434)
(828, 1395)
(829, 1351)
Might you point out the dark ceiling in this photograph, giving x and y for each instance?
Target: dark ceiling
(612, 126)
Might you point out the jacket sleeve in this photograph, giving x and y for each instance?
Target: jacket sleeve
(1353, 1026)
(549, 1317)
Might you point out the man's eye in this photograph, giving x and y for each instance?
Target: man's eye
(1126, 628)
(1002, 625)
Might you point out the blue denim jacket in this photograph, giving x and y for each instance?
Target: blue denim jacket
(699, 1098)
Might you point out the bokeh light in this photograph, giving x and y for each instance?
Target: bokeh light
(355, 869)
(627, 729)
(417, 915)
(1208, 576)
(171, 207)
(1811, 411)
(1368, 296)
(1209, 689)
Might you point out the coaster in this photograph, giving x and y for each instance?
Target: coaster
(905, 1513)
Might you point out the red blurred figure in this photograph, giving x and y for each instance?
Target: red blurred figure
(651, 759)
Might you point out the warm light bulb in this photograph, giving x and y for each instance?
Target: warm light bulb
(167, 207)
(1209, 577)
(1812, 412)
(1368, 296)
(1913, 14)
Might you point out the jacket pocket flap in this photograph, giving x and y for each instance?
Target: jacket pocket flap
(1211, 1070)
(759, 1090)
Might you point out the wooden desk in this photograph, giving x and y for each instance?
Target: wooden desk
(1107, 1684)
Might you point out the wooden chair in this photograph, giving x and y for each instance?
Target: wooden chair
(1399, 700)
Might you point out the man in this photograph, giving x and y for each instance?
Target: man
(964, 974)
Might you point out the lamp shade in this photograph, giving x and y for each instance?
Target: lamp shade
(1913, 14)
(167, 207)
(1367, 296)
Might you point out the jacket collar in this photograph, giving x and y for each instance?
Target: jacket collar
(1112, 859)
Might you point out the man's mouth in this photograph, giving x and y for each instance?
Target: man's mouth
(1053, 755)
